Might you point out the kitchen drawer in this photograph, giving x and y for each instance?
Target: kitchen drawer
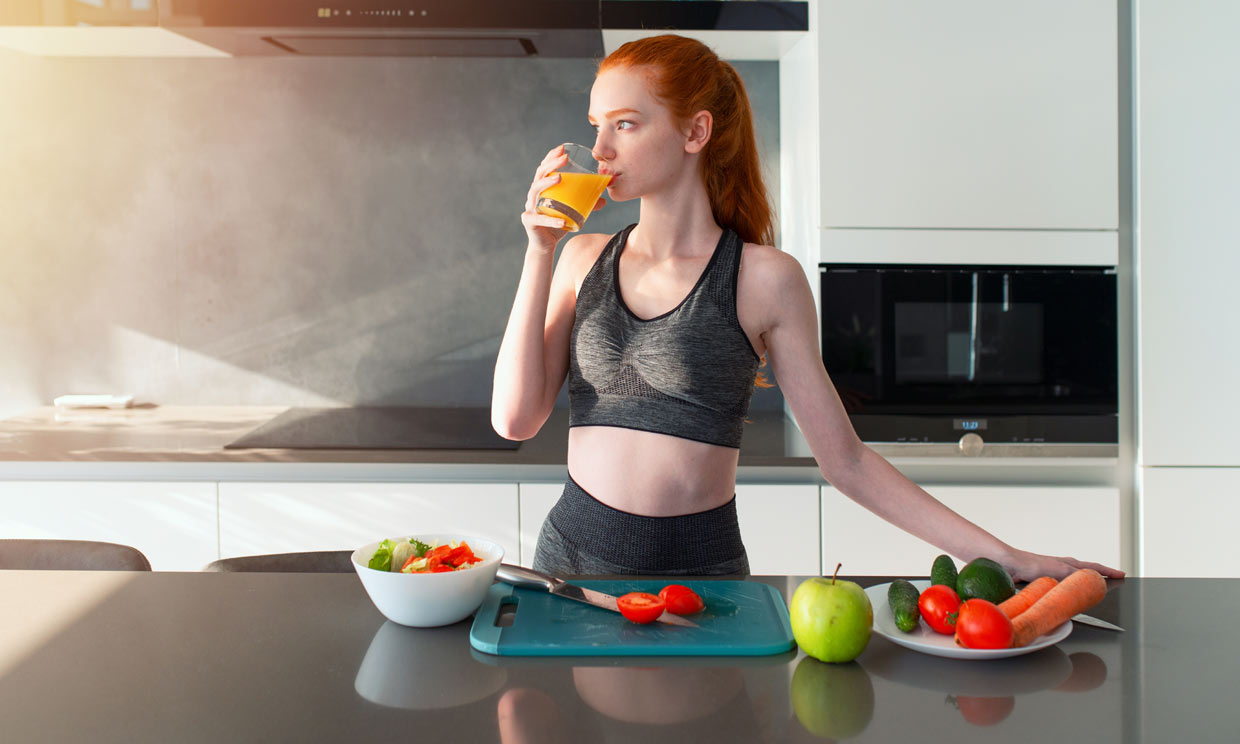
(173, 524)
(1083, 522)
(1188, 522)
(258, 518)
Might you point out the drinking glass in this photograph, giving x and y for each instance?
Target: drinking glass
(579, 189)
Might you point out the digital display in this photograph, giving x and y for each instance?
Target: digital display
(969, 424)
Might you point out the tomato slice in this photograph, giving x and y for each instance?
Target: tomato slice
(640, 607)
(459, 556)
(681, 600)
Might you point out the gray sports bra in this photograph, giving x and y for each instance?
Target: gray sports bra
(688, 372)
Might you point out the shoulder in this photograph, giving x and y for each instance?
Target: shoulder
(768, 269)
(580, 253)
(771, 289)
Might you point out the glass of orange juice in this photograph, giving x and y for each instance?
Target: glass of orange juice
(579, 189)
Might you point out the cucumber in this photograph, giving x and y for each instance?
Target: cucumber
(902, 597)
(943, 571)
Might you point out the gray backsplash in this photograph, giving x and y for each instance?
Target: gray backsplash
(272, 231)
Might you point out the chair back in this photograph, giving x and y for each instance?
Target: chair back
(320, 561)
(70, 555)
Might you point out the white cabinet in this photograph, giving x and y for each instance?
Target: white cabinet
(968, 114)
(1188, 114)
(536, 500)
(779, 525)
(258, 518)
(1188, 519)
(173, 524)
(1082, 522)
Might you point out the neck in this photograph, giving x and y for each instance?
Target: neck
(676, 222)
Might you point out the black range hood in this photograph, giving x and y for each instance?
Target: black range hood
(377, 28)
(390, 28)
(455, 28)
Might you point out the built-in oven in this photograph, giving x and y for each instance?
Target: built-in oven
(973, 354)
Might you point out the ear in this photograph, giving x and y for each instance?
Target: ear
(698, 131)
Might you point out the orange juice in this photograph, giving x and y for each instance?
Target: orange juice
(573, 198)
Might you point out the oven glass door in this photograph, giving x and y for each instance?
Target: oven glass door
(971, 341)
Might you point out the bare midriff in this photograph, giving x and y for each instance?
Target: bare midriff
(651, 474)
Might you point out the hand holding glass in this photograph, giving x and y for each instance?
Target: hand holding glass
(578, 190)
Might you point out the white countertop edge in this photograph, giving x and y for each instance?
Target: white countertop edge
(951, 468)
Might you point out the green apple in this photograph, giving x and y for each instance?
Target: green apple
(831, 618)
(832, 701)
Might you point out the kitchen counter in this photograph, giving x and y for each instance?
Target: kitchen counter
(187, 443)
(203, 657)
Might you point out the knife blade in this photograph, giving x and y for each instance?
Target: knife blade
(530, 579)
(1087, 620)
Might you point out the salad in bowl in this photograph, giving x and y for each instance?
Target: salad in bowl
(428, 580)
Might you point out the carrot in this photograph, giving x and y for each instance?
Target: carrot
(1025, 598)
(1077, 593)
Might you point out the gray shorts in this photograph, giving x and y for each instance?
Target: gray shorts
(582, 536)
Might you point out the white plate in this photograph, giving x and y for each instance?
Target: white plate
(925, 640)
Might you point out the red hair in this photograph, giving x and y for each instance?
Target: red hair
(687, 77)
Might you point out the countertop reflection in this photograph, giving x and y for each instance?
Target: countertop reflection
(306, 657)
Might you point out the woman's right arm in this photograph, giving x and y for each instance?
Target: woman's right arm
(533, 356)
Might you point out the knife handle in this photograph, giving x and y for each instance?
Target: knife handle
(521, 576)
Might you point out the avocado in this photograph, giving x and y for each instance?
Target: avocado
(943, 572)
(985, 579)
(902, 597)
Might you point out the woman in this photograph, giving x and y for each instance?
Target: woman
(661, 329)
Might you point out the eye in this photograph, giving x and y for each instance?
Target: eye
(624, 124)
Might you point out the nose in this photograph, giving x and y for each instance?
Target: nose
(602, 150)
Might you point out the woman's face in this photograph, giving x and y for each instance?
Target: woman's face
(638, 141)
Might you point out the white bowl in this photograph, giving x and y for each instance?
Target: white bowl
(425, 600)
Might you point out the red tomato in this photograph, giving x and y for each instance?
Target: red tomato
(460, 555)
(641, 607)
(937, 606)
(681, 600)
(981, 624)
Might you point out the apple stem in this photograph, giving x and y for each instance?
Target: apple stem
(837, 570)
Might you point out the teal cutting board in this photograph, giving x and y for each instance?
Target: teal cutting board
(741, 618)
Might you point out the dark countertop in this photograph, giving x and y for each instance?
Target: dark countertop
(190, 657)
(188, 443)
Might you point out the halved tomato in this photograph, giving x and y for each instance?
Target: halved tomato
(681, 600)
(640, 607)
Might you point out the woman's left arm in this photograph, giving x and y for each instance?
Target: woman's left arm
(790, 332)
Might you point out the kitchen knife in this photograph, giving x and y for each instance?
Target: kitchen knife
(530, 579)
(1087, 620)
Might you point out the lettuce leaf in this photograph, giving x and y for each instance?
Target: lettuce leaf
(382, 559)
